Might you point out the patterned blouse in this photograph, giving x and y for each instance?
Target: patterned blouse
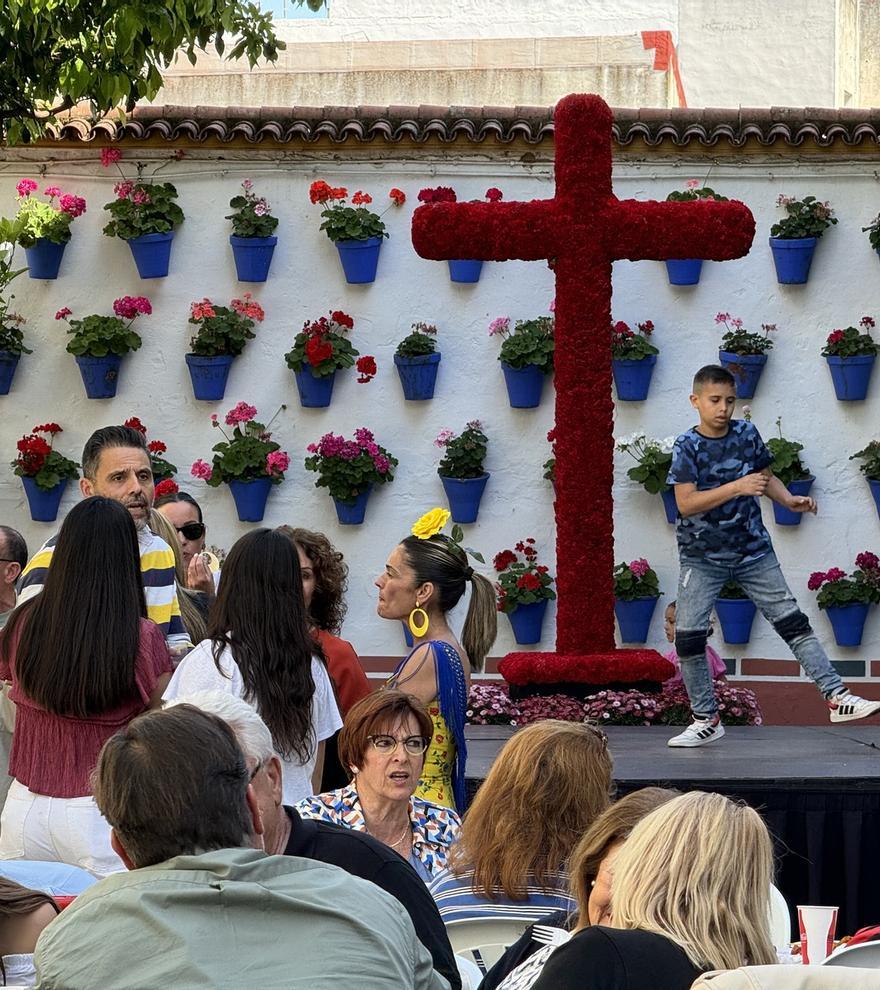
(434, 828)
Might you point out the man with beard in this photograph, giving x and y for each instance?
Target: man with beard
(116, 464)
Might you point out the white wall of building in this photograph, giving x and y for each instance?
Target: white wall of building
(387, 20)
(306, 282)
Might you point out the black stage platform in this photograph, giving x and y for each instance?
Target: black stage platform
(817, 787)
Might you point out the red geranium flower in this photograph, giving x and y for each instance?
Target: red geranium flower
(361, 198)
(156, 447)
(343, 319)
(366, 365)
(398, 195)
(528, 582)
(135, 424)
(166, 487)
(494, 195)
(52, 428)
(317, 351)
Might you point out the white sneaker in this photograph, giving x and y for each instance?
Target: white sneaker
(846, 707)
(702, 731)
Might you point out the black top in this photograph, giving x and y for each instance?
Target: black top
(363, 856)
(601, 958)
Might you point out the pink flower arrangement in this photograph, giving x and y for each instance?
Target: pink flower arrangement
(491, 704)
(129, 307)
(50, 220)
(347, 468)
(837, 589)
(639, 567)
(248, 454)
(499, 326)
(241, 413)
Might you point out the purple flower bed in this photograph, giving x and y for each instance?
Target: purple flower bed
(490, 704)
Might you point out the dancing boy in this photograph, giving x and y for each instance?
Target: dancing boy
(720, 470)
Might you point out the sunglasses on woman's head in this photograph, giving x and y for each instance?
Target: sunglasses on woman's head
(192, 530)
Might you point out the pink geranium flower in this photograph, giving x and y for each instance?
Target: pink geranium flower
(201, 469)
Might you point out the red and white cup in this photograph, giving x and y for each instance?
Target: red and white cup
(817, 926)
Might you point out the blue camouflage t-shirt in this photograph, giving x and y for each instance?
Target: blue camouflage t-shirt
(732, 533)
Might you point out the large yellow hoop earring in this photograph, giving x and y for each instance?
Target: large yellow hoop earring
(418, 630)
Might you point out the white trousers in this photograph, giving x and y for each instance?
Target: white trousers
(58, 830)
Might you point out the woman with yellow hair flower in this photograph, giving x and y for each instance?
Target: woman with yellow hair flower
(425, 576)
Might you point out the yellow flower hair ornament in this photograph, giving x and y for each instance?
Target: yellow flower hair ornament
(431, 523)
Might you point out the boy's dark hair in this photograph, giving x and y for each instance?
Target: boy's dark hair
(713, 374)
(109, 436)
(173, 783)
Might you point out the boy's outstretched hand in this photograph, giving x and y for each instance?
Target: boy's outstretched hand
(801, 503)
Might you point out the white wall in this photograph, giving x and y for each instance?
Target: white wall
(757, 54)
(374, 20)
(306, 282)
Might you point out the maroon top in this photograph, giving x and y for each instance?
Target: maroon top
(55, 754)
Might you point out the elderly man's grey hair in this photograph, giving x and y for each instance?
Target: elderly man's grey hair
(250, 730)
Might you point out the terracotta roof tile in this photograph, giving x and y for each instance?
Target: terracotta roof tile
(710, 126)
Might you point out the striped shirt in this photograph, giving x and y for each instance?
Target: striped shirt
(157, 569)
(455, 897)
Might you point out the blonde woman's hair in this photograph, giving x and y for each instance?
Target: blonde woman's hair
(546, 786)
(698, 871)
(612, 826)
(190, 614)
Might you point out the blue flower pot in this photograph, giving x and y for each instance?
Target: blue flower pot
(463, 495)
(314, 392)
(418, 375)
(851, 375)
(633, 378)
(848, 622)
(352, 513)
(793, 257)
(100, 375)
(44, 258)
(746, 369)
(524, 385)
(152, 254)
(736, 616)
(670, 506)
(8, 364)
(785, 517)
(209, 375)
(875, 492)
(465, 271)
(685, 271)
(526, 622)
(253, 256)
(250, 498)
(634, 618)
(359, 259)
(43, 504)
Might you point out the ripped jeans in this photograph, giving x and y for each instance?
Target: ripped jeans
(763, 581)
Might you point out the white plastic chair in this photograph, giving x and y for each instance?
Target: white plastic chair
(865, 955)
(484, 941)
(780, 919)
(470, 973)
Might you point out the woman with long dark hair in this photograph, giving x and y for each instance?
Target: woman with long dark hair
(424, 579)
(325, 579)
(83, 660)
(259, 648)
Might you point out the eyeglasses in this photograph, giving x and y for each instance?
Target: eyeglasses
(256, 769)
(192, 530)
(386, 745)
